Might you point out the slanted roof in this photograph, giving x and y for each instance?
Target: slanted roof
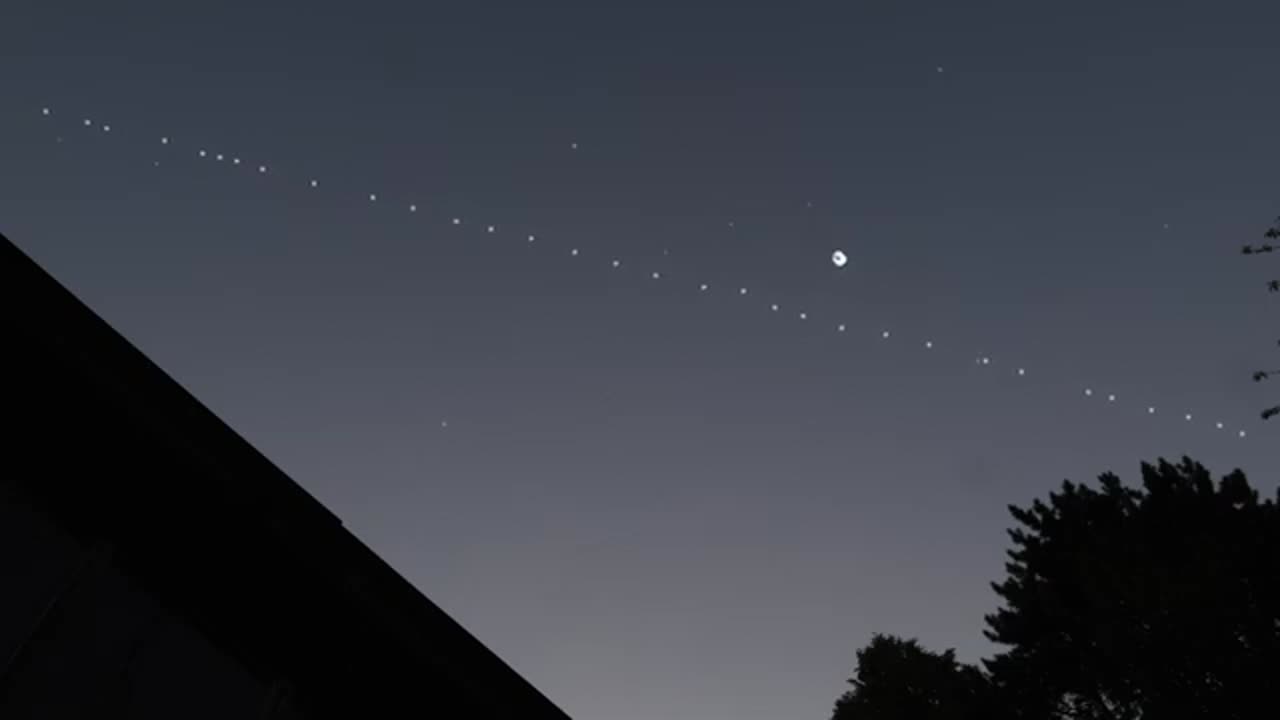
(128, 458)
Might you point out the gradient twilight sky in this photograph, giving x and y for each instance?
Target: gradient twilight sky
(657, 502)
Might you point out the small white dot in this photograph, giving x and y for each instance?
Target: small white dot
(106, 128)
(1111, 398)
(235, 161)
(164, 141)
(1088, 391)
(218, 157)
(413, 208)
(1166, 226)
(1219, 426)
(885, 334)
(203, 153)
(1188, 416)
(1022, 371)
(531, 238)
(840, 328)
(44, 111)
(928, 344)
(87, 122)
(774, 307)
(939, 68)
(617, 263)
(742, 291)
(444, 423)
(1151, 411)
(803, 316)
(156, 163)
(1242, 433)
(703, 287)
(574, 252)
(656, 275)
(315, 183)
(262, 169)
(373, 197)
(986, 361)
(457, 221)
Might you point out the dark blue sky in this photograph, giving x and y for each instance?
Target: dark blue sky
(653, 501)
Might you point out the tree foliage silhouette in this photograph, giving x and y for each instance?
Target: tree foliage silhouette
(898, 680)
(1119, 604)
(1273, 233)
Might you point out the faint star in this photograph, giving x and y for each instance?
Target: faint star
(457, 221)
(315, 183)
(491, 228)
(413, 208)
(840, 327)
(44, 111)
(262, 169)
(574, 252)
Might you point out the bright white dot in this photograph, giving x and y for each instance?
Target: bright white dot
(573, 146)
(774, 307)
(106, 128)
(703, 287)
(457, 221)
(1242, 433)
(840, 328)
(44, 111)
(262, 169)
(444, 423)
(531, 238)
(1188, 416)
(413, 208)
(87, 122)
(235, 161)
(164, 141)
(1219, 425)
(1111, 398)
(838, 258)
(742, 291)
(315, 183)
(1022, 371)
(218, 157)
(491, 228)
(928, 344)
(1088, 391)
(1151, 411)
(656, 276)
(574, 252)
(203, 153)
(373, 197)
(617, 263)
(804, 316)
(986, 361)
(885, 334)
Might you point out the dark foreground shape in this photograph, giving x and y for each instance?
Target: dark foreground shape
(154, 565)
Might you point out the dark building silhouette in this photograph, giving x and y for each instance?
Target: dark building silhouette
(154, 565)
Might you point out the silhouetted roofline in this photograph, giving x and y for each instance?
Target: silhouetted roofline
(37, 306)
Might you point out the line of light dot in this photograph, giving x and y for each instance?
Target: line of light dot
(262, 169)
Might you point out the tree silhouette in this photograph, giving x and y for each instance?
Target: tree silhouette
(1119, 604)
(898, 680)
(1127, 604)
(1272, 286)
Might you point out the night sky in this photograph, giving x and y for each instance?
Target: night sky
(657, 501)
